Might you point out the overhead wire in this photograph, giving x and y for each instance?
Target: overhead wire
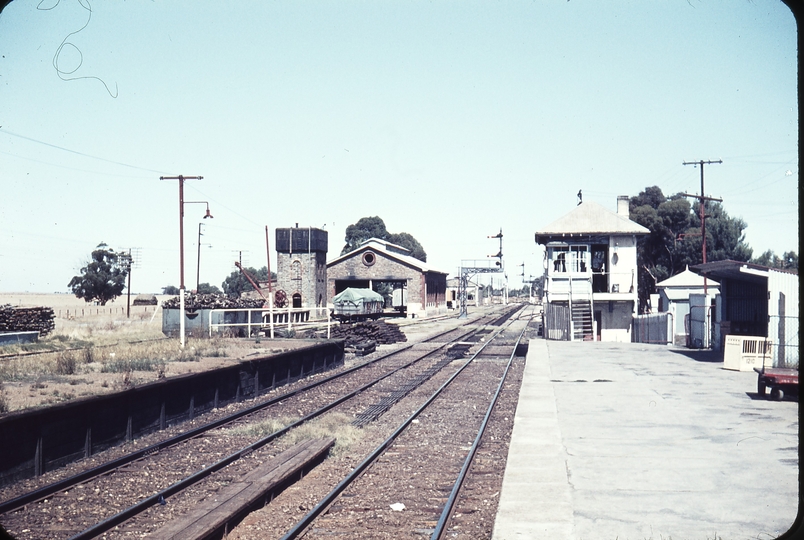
(82, 154)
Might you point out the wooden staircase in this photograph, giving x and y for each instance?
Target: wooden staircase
(582, 329)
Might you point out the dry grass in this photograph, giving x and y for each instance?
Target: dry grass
(331, 425)
(4, 407)
(261, 429)
(103, 353)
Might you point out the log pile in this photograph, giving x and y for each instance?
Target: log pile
(212, 301)
(36, 319)
(360, 332)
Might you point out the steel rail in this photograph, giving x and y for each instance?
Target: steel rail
(11, 356)
(440, 528)
(161, 496)
(61, 485)
(50, 489)
(328, 499)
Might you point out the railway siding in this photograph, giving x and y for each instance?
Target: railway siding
(255, 489)
(48, 438)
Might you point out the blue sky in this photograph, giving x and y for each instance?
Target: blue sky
(450, 120)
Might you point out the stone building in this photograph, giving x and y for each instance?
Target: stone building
(378, 264)
(302, 265)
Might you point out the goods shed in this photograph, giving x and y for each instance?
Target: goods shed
(389, 269)
(756, 301)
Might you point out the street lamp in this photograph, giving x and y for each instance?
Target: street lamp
(182, 202)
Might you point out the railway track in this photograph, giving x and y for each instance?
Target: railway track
(411, 483)
(109, 495)
(20, 354)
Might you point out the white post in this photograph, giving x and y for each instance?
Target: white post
(271, 314)
(289, 327)
(181, 316)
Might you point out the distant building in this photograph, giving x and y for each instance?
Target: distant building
(474, 293)
(377, 264)
(302, 265)
(590, 274)
(674, 297)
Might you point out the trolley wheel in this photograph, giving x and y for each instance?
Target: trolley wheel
(761, 388)
(777, 394)
(280, 299)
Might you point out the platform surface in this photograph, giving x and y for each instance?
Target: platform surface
(626, 441)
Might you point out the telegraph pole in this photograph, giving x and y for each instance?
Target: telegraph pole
(702, 206)
(181, 180)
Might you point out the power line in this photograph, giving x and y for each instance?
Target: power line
(79, 153)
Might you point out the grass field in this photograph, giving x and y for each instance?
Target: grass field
(72, 312)
(98, 349)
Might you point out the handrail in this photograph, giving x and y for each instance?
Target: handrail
(269, 315)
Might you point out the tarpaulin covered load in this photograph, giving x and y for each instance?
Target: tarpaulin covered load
(357, 303)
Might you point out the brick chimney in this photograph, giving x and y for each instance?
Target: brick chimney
(622, 206)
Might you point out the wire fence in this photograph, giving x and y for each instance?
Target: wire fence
(783, 332)
(74, 313)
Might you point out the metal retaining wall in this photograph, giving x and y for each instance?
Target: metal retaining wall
(34, 442)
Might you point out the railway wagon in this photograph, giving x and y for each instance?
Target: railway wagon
(357, 305)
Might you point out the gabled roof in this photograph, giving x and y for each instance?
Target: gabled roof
(591, 218)
(387, 249)
(388, 246)
(686, 280)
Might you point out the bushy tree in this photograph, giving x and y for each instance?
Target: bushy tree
(104, 276)
(171, 289)
(206, 288)
(675, 237)
(365, 228)
(374, 227)
(236, 284)
(788, 260)
(407, 241)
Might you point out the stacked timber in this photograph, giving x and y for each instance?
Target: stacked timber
(145, 300)
(212, 301)
(361, 332)
(35, 319)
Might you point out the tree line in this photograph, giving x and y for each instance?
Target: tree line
(675, 239)
(674, 243)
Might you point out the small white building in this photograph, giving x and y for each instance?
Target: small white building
(590, 273)
(474, 293)
(674, 297)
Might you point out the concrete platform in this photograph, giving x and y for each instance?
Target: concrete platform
(626, 441)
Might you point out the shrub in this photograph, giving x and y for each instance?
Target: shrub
(65, 363)
(3, 401)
